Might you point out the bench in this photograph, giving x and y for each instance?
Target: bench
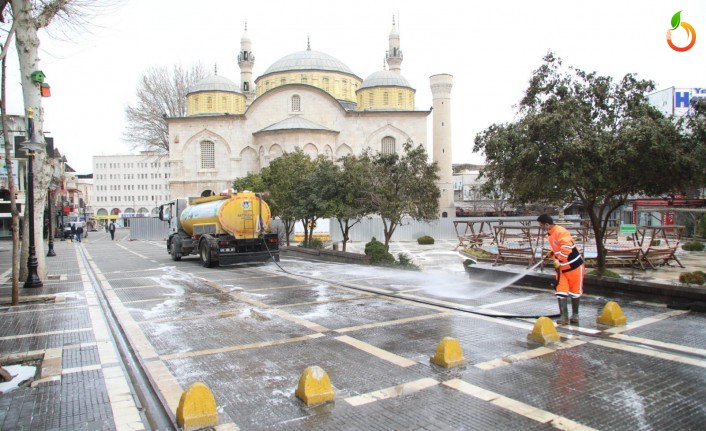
(516, 253)
(658, 256)
(631, 256)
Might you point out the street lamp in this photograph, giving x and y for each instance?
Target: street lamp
(31, 147)
(63, 164)
(51, 251)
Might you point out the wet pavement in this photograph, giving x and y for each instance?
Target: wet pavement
(249, 332)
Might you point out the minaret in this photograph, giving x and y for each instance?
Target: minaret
(441, 94)
(394, 54)
(246, 61)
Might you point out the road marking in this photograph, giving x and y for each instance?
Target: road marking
(41, 334)
(377, 352)
(298, 320)
(334, 300)
(652, 353)
(239, 347)
(646, 321)
(530, 354)
(511, 301)
(392, 322)
(133, 252)
(392, 392)
(661, 344)
(515, 406)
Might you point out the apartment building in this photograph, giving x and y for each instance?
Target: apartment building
(129, 185)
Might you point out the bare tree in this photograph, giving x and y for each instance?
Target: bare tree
(161, 94)
(27, 17)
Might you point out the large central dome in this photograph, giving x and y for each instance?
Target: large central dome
(308, 60)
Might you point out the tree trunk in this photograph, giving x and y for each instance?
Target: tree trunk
(598, 232)
(27, 44)
(12, 188)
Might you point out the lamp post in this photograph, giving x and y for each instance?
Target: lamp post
(63, 164)
(31, 147)
(51, 251)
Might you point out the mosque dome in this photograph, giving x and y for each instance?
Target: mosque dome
(308, 60)
(384, 78)
(215, 83)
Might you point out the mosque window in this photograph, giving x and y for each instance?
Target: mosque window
(344, 84)
(209, 102)
(400, 100)
(296, 103)
(325, 85)
(304, 79)
(371, 99)
(388, 145)
(208, 156)
(386, 98)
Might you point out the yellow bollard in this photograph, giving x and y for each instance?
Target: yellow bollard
(448, 353)
(197, 408)
(544, 331)
(314, 387)
(612, 315)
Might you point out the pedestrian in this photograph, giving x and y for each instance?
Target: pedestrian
(106, 227)
(73, 231)
(569, 269)
(79, 232)
(111, 229)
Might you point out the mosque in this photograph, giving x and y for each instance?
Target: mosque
(309, 100)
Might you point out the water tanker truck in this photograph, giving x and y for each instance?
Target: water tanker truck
(223, 229)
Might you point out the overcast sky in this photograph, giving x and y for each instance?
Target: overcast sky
(491, 49)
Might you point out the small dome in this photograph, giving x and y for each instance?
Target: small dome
(308, 60)
(215, 83)
(384, 78)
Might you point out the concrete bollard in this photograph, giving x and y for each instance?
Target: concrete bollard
(544, 331)
(448, 353)
(612, 315)
(197, 408)
(314, 387)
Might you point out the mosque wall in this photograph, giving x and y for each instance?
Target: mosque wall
(339, 86)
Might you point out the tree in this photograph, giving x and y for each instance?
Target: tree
(401, 185)
(251, 182)
(281, 178)
(27, 18)
(161, 94)
(580, 135)
(315, 195)
(350, 192)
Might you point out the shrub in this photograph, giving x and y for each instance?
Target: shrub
(693, 246)
(469, 262)
(405, 262)
(315, 244)
(378, 255)
(696, 277)
(607, 273)
(425, 240)
(656, 242)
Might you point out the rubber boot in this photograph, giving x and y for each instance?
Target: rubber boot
(575, 311)
(563, 311)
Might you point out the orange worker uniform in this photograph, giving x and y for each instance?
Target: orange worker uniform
(571, 268)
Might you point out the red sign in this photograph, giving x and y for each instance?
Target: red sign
(66, 209)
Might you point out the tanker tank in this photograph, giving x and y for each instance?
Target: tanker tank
(242, 215)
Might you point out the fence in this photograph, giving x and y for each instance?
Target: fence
(148, 229)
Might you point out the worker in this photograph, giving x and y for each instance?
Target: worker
(570, 269)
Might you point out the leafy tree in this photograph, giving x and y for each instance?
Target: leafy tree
(161, 94)
(350, 184)
(282, 178)
(401, 185)
(579, 135)
(315, 195)
(252, 182)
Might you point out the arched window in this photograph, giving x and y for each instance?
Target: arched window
(296, 103)
(386, 98)
(371, 100)
(208, 156)
(388, 145)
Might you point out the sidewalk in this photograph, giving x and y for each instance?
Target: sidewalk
(79, 383)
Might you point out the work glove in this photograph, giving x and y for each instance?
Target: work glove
(550, 254)
(557, 265)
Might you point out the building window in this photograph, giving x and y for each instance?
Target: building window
(325, 84)
(209, 102)
(386, 98)
(371, 99)
(345, 88)
(296, 103)
(304, 79)
(208, 158)
(388, 145)
(400, 100)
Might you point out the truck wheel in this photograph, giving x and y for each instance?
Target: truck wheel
(176, 256)
(205, 254)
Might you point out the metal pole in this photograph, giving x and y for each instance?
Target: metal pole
(51, 252)
(33, 279)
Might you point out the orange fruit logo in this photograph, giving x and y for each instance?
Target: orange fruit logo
(690, 32)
